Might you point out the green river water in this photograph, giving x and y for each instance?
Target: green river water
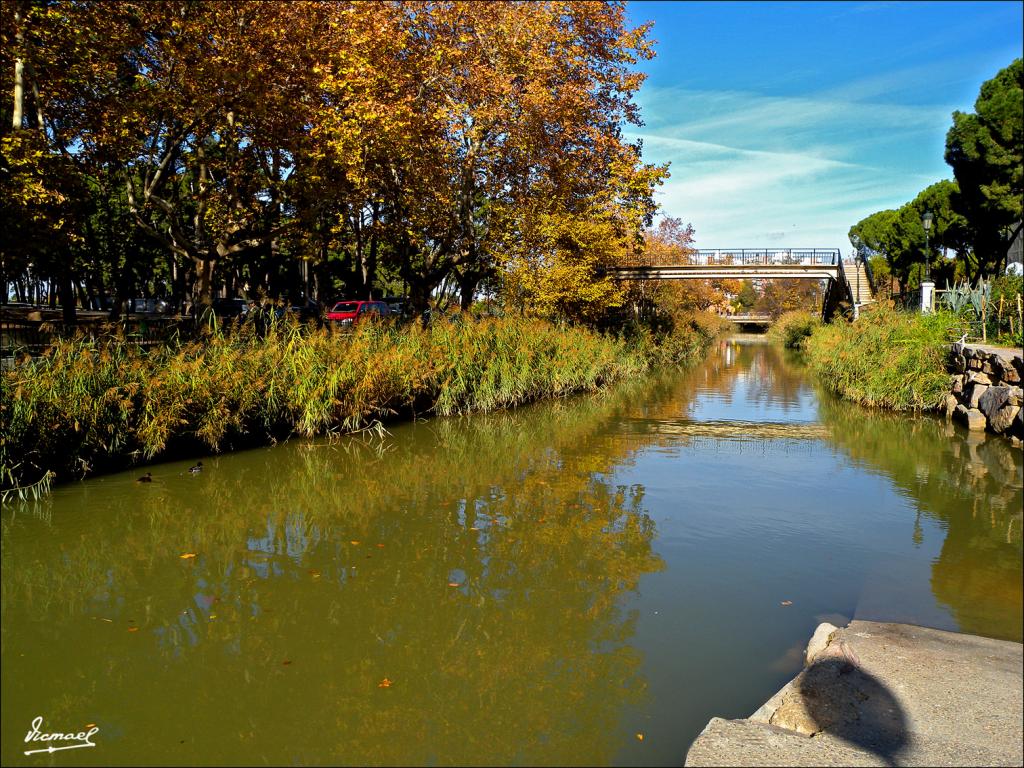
(538, 587)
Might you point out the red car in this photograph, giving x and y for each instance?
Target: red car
(349, 312)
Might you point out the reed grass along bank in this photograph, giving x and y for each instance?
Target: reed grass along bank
(885, 359)
(88, 406)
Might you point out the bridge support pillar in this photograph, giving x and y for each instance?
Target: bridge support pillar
(927, 297)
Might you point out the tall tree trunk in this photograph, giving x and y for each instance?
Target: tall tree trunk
(67, 296)
(203, 289)
(19, 74)
(467, 288)
(122, 288)
(370, 270)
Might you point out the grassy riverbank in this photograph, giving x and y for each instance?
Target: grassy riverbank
(792, 329)
(87, 406)
(885, 359)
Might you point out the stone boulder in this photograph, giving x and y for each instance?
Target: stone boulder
(992, 399)
(974, 394)
(1003, 419)
(972, 418)
(978, 378)
(1006, 371)
(951, 404)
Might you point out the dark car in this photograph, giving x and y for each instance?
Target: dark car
(308, 310)
(229, 308)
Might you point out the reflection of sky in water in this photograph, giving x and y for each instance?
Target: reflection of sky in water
(753, 394)
(746, 522)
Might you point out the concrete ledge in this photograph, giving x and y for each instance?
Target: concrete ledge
(884, 694)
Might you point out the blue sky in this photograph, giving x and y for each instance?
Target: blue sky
(788, 122)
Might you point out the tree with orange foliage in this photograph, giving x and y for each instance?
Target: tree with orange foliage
(671, 242)
(435, 142)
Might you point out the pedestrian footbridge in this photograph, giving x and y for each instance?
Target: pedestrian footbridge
(849, 282)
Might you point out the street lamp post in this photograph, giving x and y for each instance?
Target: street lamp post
(927, 286)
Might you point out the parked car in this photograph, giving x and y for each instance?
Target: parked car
(397, 304)
(350, 312)
(308, 310)
(148, 306)
(227, 308)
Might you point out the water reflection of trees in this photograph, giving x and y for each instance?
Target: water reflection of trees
(322, 569)
(972, 485)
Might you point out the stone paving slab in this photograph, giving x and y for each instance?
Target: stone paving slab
(744, 742)
(884, 694)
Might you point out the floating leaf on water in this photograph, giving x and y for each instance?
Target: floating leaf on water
(187, 555)
(133, 629)
(380, 546)
(786, 602)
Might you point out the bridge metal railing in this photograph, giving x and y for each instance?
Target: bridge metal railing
(760, 257)
(870, 274)
(838, 290)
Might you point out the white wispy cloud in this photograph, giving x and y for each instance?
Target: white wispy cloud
(754, 170)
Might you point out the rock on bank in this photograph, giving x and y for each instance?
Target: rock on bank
(884, 694)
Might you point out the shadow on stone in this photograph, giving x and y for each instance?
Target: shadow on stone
(844, 701)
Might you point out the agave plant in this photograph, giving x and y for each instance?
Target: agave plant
(960, 298)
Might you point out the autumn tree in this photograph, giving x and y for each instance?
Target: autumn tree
(778, 296)
(219, 122)
(671, 242)
(487, 149)
(51, 52)
(360, 144)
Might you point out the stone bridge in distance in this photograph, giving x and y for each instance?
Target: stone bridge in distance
(849, 283)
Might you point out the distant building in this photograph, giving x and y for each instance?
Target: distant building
(1014, 265)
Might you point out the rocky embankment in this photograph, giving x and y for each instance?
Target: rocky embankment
(985, 391)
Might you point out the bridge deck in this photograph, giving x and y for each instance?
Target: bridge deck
(739, 263)
(748, 319)
(728, 272)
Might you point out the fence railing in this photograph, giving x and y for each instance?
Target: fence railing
(21, 335)
(751, 257)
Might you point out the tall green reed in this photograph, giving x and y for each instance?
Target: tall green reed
(89, 405)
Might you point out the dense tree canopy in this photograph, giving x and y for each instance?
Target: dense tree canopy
(986, 151)
(975, 217)
(290, 149)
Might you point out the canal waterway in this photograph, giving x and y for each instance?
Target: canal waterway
(579, 582)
